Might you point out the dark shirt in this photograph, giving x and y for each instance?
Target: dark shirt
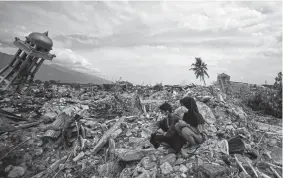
(171, 130)
(166, 123)
(192, 118)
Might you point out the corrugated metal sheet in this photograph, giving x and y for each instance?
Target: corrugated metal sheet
(60, 121)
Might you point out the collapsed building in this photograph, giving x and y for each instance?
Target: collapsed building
(27, 60)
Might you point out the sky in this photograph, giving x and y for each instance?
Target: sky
(151, 42)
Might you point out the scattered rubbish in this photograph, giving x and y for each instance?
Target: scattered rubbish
(105, 132)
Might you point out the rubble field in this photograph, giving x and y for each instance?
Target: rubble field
(83, 134)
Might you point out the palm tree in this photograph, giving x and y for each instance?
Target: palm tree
(200, 69)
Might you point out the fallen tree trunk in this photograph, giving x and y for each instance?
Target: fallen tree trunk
(104, 139)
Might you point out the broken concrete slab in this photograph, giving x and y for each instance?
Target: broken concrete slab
(206, 112)
(166, 168)
(16, 172)
(132, 155)
(213, 170)
(170, 158)
(276, 154)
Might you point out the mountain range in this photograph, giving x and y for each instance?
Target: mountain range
(56, 72)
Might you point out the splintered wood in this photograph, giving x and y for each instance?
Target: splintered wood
(104, 139)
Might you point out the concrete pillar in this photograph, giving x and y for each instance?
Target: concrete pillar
(23, 65)
(36, 68)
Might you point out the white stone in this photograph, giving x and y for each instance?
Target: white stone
(206, 112)
(183, 168)
(16, 172)
(166, 168)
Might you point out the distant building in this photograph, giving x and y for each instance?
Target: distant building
(224, 82)
(223, 78)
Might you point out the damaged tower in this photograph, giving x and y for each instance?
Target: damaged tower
(25, 63)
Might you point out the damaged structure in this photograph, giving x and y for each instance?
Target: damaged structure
(29, 57)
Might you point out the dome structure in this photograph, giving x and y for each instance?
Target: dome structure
(41, 39)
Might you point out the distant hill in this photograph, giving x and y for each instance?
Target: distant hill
(56, 72)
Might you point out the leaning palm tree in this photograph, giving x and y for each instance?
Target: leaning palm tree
(200, 68)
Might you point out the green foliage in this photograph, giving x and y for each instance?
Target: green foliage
(259, 98)
(52, 81)
(46, 84)
(37, 82)
(267, 100)
(200, 69)
(158, 87)
(76, 86)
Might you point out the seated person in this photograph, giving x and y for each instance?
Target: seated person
(165, 123)
(171, 137)
(191, 128)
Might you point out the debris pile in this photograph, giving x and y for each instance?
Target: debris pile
(106, 134)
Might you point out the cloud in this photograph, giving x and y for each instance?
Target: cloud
(70, 59)
(155, 41)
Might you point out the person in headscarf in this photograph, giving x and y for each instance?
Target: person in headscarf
(191, 128)
(170, 137)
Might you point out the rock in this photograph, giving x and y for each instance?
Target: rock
(206, 112)
(7, 99)
(116, 133)
(183, 168)
(170, 158)
(9, 109)
(238, 111)
(16, 172)
(199, 161)
(223, 147)
(147, 164)
(106, 169)
(128, 134)
(184, 153)
(104, 127)
(39, 143)
(79, 156)
(179, 161)
(153, 158)
(51, 115)
(132, 155)
(176, 168)
(127, 173)
(204, 98)
(243, 175)
(243, 131)
(276, 154)
(267, 127)
(135, 140)
(213, 170)
(8, 168)
(189, 165)
(166, 168)
(38, 151)
(145, 133)
(272, 142)
(183, 175)
(91, 124)
(131, 119)
(145, 174)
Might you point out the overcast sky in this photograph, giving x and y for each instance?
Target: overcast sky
(154, 41)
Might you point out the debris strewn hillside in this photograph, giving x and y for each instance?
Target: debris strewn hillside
(106, 134)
